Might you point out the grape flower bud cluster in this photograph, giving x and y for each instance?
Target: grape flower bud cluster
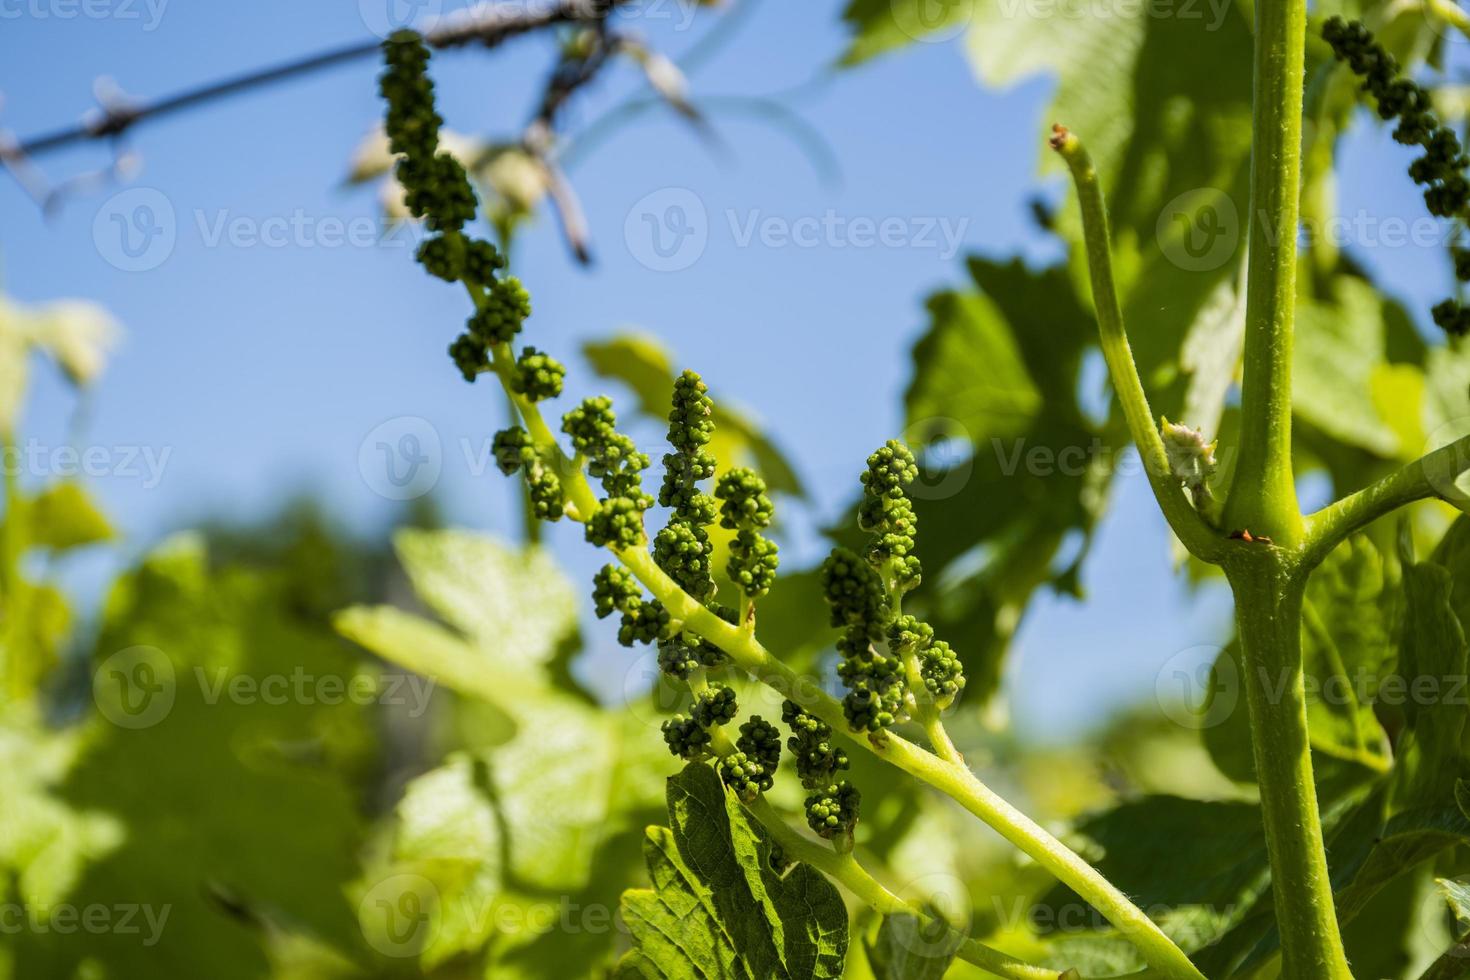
(892, 664)
(1441, 170)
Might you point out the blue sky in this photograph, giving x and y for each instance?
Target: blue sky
(261, 368)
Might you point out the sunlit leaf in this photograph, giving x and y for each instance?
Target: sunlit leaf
(718, 907)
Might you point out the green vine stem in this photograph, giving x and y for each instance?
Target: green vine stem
(1430, 476)
(1188, 526)
(1262, 496)
(844, 868)
(1268, 568)
(1268, 590)
(949, 776)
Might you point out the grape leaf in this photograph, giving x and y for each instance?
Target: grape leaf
(1032, 470)
(63, 516)
(1431, 674)
(718, 907)
(543, 808)
(903, 950)
(1347, 619)
(235, 804)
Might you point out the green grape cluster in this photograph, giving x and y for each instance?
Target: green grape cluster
(832, 812)
(435, 185)
(1441, 170)
(864, 592)
(538, 376)
(683, 550)
(939, 668)
(616, 590)
(437, 190)
(817, 759)
(691, 426)
(503, 312)
(747, 510)
(687, 738)
(514, 452)
(751, 769)
(715, 705)
(888, 514)
(680, 654)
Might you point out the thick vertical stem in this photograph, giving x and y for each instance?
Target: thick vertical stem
(1262, 494)
(1268, 607)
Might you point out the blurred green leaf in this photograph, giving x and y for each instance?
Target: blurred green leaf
(1198, 894)
(1164, 109)
(516, 605)
(1030, 472)
(718, 907)
(544, 807)
(1340, 343)
(1347, 617)
(905, 950)
(224, 754)
(880, 26)
(63, 516)
(1431, 674)
(1457, 894)
(969, 331)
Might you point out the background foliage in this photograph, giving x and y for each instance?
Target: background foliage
(484, 809)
